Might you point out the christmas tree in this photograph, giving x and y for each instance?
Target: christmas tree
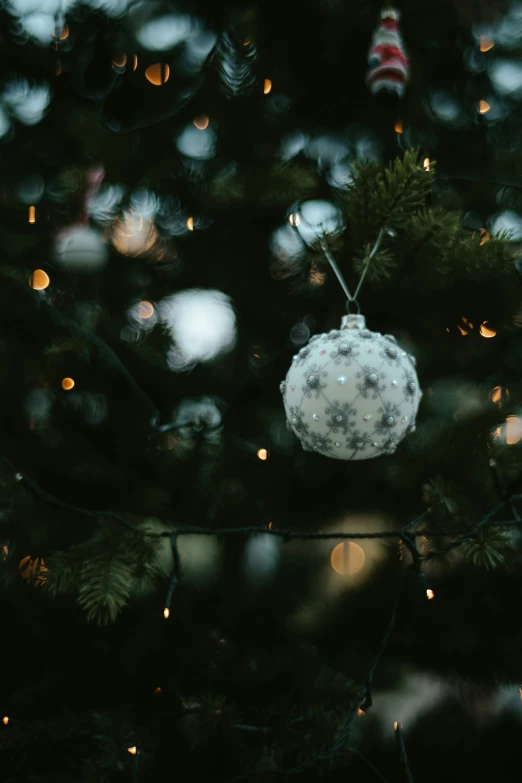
(201, 577)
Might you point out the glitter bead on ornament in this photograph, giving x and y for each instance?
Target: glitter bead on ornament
(351, 394)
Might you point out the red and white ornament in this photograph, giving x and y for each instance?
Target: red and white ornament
(387, 60)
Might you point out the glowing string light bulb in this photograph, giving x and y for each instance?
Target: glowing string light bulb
(485, 330)
(166, 614)
(157, 74)
(483, 107)
(32, 214)
(67, 384)
(190, 223)
(399, 127)
(133, 751)
(5, 720)
(262, 454)
(39, 280)
(486, 43)
(267, 86)
(202, 122)
(426, 164)
(430, 594)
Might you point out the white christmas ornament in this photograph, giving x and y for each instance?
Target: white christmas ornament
(81, 249)
(351, 394)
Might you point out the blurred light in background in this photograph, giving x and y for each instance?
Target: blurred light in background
(506, 76)
(445, 108)
(104, 207)
(299, 334)
(197, 144)
(25, 102)
(426, 164)
(119, 61)
(508, 221)
(32, 214)
(262, 556)
(294, 219)
(67, 384)
(267, 86)
(166, 31)
(486, 43)
(262, 454)
(134, 62)
(317, 218)
(190, 223)
(201, 122)
(31, 189)
(292, 144)
(513, 430)
(133, 235)
(39, 280)
(347, 558)
(202, 325)
(483, 107)
(288, 249)
(399, 127)
(38, 407)
(145, 309)
(430, 594)
(158, 74)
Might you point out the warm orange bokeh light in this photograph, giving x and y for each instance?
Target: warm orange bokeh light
(262, 454)
(398, 127)
(485, 330)
(63, 34)
(40, 280)
(347, 558)
(267, 86)
(190, 223)
(430, 594)
(426, 164)
(513, 430)
(157, 691)
(5, 720)
(120, 60)
(360, 712)
(201, 122)
(486, 43)
(145, 309)
(67, 384)
(166, 614)
(157, 74)
(32, 214)
(484, 107)
(133, 750)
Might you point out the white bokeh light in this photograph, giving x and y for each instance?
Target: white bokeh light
(506, 76)
(167, 31)
(202, 325)
(27, 103)
(507, 221)
(318, 217)
(197, 144)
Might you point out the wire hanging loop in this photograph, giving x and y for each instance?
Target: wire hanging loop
(352, 299)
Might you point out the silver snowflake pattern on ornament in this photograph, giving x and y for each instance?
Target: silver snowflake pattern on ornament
(296, 421)
(302, 356)
(390, 354)
(282, 387)
(358, 441)
(371, 384)
(410, 387)
(339, 417)
(390, 416)
(313, 386)
(390, 444)
(333, 335)
(320, 443)
(344, 353)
